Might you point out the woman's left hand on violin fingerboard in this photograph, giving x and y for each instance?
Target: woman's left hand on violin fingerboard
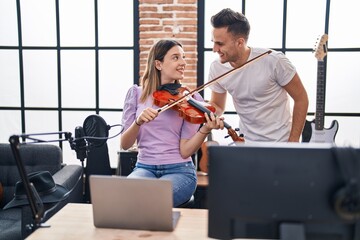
(213, 122)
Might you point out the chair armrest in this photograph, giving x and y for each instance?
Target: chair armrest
(70, 177)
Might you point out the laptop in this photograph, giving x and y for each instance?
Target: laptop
(132, 203)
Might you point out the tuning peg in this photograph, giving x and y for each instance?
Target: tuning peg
(236, 130)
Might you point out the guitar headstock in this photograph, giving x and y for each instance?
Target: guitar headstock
(321, 47)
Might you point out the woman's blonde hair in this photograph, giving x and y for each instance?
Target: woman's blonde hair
(151, 79)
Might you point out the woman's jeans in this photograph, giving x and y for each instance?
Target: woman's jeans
(182, 176)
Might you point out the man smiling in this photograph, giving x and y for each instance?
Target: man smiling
(261, 90)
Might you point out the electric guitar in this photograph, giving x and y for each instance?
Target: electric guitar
(314, 131)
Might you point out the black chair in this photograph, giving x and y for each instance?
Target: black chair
(189, 203)
(35, 157)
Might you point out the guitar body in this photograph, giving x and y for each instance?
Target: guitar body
(325, 135)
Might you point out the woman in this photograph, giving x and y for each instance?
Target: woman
(165, 141)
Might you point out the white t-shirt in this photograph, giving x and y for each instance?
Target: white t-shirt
(259, 99)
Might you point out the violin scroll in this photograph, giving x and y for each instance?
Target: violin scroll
(235, 136)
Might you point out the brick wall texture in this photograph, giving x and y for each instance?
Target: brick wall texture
(174, 19)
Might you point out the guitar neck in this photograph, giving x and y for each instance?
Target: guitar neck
(320, 96)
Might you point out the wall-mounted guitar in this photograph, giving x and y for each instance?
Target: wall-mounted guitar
(314, 131)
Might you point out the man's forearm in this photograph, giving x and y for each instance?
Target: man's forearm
(298, 121)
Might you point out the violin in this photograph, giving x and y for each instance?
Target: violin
(169, 94)
(190, 109)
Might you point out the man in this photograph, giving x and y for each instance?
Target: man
(260, 90)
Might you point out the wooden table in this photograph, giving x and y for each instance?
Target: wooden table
(75, 221)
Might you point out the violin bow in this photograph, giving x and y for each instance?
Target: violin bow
(198, 89)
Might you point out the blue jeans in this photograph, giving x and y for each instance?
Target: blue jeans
(182, 176)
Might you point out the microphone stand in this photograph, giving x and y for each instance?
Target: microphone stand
(78, 144)
(35, 202)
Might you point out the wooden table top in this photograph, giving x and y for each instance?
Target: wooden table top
(75, 221)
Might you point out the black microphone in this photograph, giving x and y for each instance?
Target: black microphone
(79, 144)
(94, 133)
(96, 130)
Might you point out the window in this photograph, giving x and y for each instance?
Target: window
(61, 61)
